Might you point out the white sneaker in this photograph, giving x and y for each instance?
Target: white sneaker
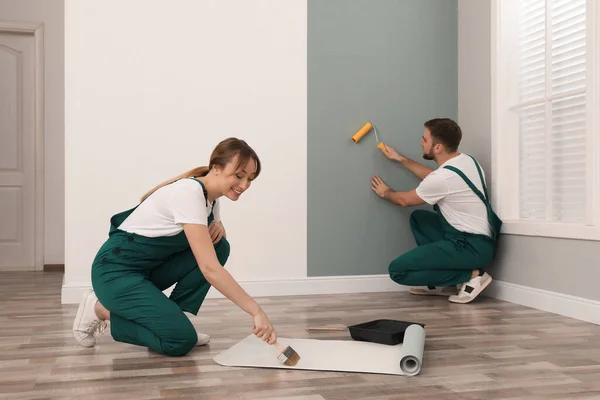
(433, 290)
(470, 290)
(87, 326)
(203, 338)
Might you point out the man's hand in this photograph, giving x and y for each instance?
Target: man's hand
(403, 199)
(379, 186)
(419, 170)
(392, 154)
(216, 231)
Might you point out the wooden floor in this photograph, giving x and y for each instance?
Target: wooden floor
(485, 350)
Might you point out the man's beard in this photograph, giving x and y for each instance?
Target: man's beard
(429, 156)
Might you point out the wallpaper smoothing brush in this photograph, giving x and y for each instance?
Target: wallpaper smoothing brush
(287, 356)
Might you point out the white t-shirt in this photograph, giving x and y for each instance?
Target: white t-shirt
(461, 207)
(163, 212)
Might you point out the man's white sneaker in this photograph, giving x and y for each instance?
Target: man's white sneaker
(433, 290)
(471, 289)
(87, 326)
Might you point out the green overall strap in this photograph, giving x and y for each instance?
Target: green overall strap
(205, 192)
(480, 177)
(211, 216)
(493, 219)
(468, 181)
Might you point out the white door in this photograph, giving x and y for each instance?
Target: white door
(17, 124)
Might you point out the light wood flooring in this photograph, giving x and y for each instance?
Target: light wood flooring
(484, 350)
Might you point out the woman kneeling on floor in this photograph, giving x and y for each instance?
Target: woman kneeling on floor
(173, 237)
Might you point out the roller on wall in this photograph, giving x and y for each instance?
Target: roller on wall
(366, 128)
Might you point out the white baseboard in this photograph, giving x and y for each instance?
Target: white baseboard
(71, 294)
(557, 303)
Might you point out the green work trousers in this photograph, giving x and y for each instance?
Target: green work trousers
(130, 284)
(443, 256)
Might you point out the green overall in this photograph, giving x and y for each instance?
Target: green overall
(445, 256)
(129, 273)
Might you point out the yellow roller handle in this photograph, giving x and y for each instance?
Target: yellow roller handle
(362, 132)
(382, 146)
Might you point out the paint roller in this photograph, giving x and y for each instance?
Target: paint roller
(366, 128)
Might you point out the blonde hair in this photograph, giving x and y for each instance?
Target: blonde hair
(222, 155)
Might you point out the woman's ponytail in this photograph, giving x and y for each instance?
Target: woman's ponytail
(199, 171)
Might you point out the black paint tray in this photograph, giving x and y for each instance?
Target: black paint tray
(383, 331)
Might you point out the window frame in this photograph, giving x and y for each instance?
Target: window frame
(504, 159)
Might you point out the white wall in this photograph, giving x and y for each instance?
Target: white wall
(51, 13)
(151, 89)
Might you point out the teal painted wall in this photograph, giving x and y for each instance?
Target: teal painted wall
(390, 62)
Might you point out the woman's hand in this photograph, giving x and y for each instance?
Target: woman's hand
(216, 231)
(201, 243)
(263, 328)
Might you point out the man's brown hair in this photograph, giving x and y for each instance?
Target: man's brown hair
(445, 131)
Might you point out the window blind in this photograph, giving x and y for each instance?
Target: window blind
(551, 75)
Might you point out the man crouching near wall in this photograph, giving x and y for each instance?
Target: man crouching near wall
(457, 241)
